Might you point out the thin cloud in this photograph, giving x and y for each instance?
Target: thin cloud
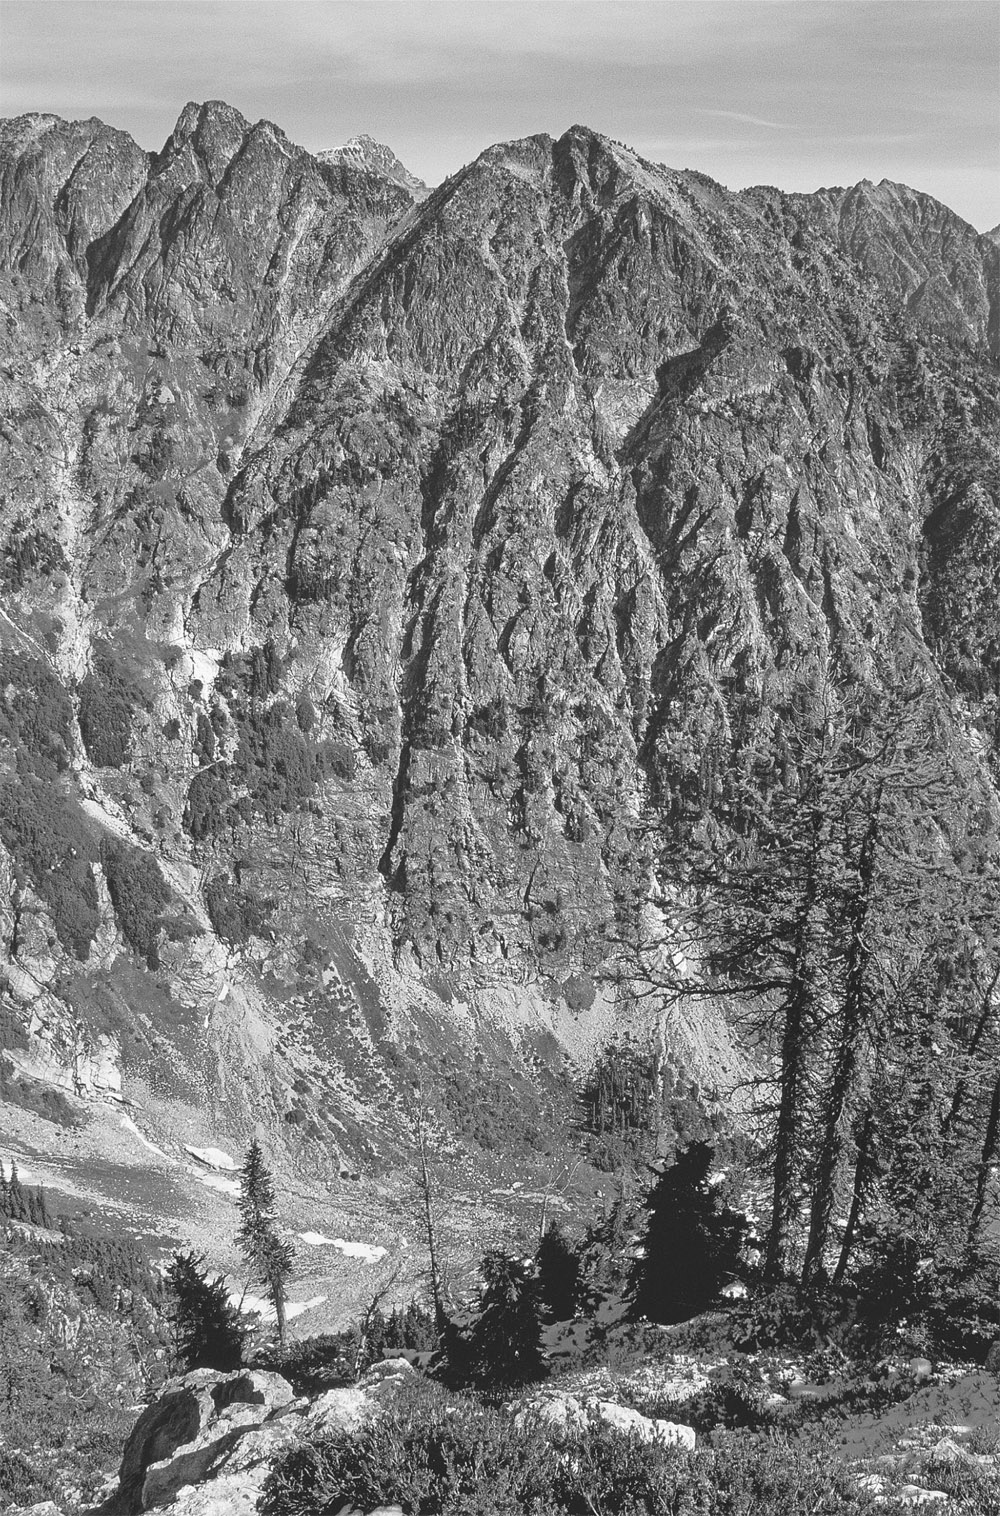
(777, 126)
(816, 91)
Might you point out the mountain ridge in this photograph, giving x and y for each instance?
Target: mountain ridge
(418, 551)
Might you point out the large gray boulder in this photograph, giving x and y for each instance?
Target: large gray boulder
(205, 1444)
(564, 1415)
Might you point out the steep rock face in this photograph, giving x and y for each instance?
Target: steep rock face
(387, 568)
(365, 152)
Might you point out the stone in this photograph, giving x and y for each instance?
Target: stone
(340, 1410)
(915, 1494)
(625, 1419)
(566, 1415)
(202, 1426)
(396, 1369)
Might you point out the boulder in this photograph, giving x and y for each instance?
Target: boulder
(340, 1410)
(648, 1429)
(206, 1426)
(566, 1414)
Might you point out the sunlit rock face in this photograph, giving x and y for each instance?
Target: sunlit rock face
(378, 566)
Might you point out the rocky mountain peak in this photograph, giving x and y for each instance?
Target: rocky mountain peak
(364, 152)
(383, 568)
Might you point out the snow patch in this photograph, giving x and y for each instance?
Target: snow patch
(364, 1250)
(96, 811)
(216, 1182)
(257, 1305)
(213, 1158)
(130, 1126)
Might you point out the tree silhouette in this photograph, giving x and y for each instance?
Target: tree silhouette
(268, 1256)
(208, 1331)
(692, 1242)
(558, 1266)
(505, 1338)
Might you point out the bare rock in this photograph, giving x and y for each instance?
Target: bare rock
(565, 1415)
(222, 1428)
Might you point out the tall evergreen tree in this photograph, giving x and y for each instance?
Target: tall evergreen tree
(505, 1341)
(208, 1330)
(557, 1264)
(692, 1244)
(268, 1256)
(839, 885)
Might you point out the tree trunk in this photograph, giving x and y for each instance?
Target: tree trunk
(862, 1174)
(962, 1088)
(440, 1320)
(278, 1299)
(852, 1032)
(986, 1162)
(798, 1009)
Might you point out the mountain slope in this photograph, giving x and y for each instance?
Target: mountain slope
(386, 567)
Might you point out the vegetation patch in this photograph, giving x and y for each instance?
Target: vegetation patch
(36, 714)
(29, 553)
(236, 914)
(110, 694)
(45, 835)
(138, 893)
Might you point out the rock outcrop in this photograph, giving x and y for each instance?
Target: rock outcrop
(205, 1445)
(569, 1415)
(383, 566)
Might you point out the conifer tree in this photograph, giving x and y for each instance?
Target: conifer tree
(17, 1202)
(692, 1244)
(505, 1341)
(208, 1330)
(268, 1256)
(558, 1268)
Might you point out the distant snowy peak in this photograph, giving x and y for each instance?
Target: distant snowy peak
(364, 152)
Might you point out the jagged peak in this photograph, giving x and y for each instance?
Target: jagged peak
(364, 151)
(20, 132)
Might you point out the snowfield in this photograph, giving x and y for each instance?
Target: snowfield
(364, 1250)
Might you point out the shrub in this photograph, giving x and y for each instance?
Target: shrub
(693, 1242)
(456, 1457)
(46, 837)
(138, 893)
(791, 1316)
(208, 1330)
(36, 714)
(109, 696)
(946, 1303)
(236, 915)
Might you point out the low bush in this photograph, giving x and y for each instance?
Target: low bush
(109, 696)
(453, 1456)
(791, 1315)
(236, 914)
(36, 714)
(138, 893)
(45, 834)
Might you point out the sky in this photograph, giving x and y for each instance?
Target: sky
(797, 93)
